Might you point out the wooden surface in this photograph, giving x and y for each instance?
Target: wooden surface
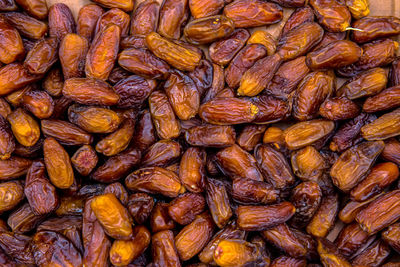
(377, 7)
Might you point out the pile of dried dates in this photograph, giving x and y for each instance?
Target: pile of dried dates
(183, 133)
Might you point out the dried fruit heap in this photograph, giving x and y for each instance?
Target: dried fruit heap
(125, 143)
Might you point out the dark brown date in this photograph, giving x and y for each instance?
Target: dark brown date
(371, 28)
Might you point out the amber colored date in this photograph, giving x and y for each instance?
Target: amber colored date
(113, 16)
(123, 252)
(274, 166)
(163, 116)
(325, 217)
(308, 164)
(163, 249)
(311, 93)
(210, 136)
(381, 176)
(87, 18)
(193, 237)
(259, 218)
(378, 53)
(354, 164)
(112, 216)
(175, 54)
(243, 61)
(61, 21)
(173, 14)
(306, 133)
(298, 17)
(371, 28)
(154, 180)
(90, 91)
(380, 213)
(66, 133)
(11, 194)
(330, 254)
(391, 236)
(94, 119)
(192, 169)
(103, 52)
(223, 51)
(218, 202)
(238, 163)
(226, 111)
(253, 13)
(264, 38)
(256, 78)
(287, 77)
(250, 136)
(208, 29)
(145, 18)
(367, 83)
(7, 141)
(199, 8)
(72, 54)
(15, 76)
(235, 252)
(391, 151)
(58, 164)
(373, 255)
(386, 99)
(350, 239)
(24, 127)
(332, 14)
(339, 108)
(26, 25)
(183, 95)
(384, 127)
(299, 40)
(334, 55)
(12, 48)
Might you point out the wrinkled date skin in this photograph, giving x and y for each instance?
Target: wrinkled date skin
(332, 14)
(256, 78)
(103, 52)
(358, 8)
(386, 99)
(12, 48)
(208, 29)
(14, 76)
(354, 163)
(350, 239)
(192, 169)
(378, 53)
(144, 63)
(37, 183)
(114, 16)
(163, 249)
(66, 133)
(126, 5)
(26, 25)
(287, 77)
(238, 163)
(61, 21)
(226, 111)
(374, 255)
(243, 61)
(223, 51)
(11, 194)
(183, 95)
(185, 207)
(154, 180)
(324, 218)
(210, 136)
(380, 213)
(339, 108)
(375, 28)
(367, 83)
(381, 176)
(306, 198)
(249, 191)
(334, 55)
(87, 18)
(200, 9)
(330, 254)
(298, 17)
(7, 141)
(72, 53)
(218, 202)
(383, 128)
(175, 54)
(308, 164)
(253, 13)
(259, 218)
(24, 127)
(173, 15)
(299, 40)
(311, 93)
(274, 166)
(145, 18)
